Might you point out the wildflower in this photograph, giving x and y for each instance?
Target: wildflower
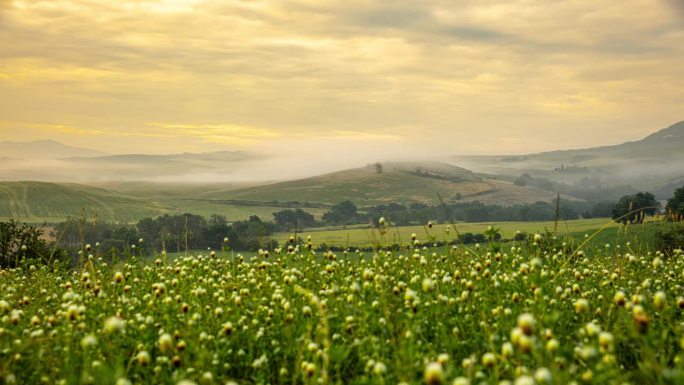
(434, 374)
(552, 345)
(543, 376)
(581, 306)
(143, 358)
(606, 341)
(379, 369)
(524, 380)
(659, 300)
(165, 342)
(526, 323)
(114, 324)
(488, 360)
(428, 285)
(88, 341)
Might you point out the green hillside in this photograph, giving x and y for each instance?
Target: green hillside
(398, 182)
(39, 201)
(648, 163)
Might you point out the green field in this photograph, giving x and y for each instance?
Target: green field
(535, 316)
(397, 183)
(363, 237)
(50, 202)
(40, 202)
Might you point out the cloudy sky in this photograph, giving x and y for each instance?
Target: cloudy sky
(340, 77)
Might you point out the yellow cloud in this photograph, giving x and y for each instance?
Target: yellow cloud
(360, 135)
(319, 68)
(217, 133)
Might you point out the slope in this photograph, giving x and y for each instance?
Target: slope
(39, 201)
(43, 149)
(651, 162)
(404, 182)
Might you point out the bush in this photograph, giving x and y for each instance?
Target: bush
(675, 205)
(21, 242)
(670, 238)
(634, 208)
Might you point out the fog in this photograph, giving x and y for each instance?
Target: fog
(285, 161)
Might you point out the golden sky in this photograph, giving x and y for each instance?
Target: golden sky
(452, 76)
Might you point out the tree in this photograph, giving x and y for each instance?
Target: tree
(287, 219)
(675, 205)
(19, 242)
(634, 208)
(378, 168)
(343, 212)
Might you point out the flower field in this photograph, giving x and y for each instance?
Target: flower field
(534, 312)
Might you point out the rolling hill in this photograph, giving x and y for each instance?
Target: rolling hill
(651, 162)
(50, 202)
(402, 182)
(43, 149)
(94, 167)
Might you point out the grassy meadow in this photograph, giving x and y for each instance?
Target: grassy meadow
(535, 312)
(364, 236)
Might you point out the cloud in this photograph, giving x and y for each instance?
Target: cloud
(216, 133)
(271, 70)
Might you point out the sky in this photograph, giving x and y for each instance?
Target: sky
(340, 79)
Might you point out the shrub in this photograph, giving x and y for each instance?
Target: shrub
(670, 238)
(22, 242)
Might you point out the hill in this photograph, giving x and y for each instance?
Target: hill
(50, 202)
(189, 167)
(402, 182)
(649, 163)
(43, 149)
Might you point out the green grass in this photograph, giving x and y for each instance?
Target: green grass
(637, 238)
(40, 202)
(366, 187)
(364, 237)
(232, 212)
(453, 317)
(51, 202)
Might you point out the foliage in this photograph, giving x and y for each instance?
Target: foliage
(21, 242)
(168, 232)
(675, 205)
(289, 219)
(342, 213)
(670, 237)
(635, 208)
(535, 313)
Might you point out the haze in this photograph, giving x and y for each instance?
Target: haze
(339, 83)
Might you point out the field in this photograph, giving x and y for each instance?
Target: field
(397, 183)
(41, 202)
(537, 313)
(49, 202)
(364, 236)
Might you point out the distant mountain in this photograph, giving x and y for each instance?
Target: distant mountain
(217, 156)
(661, 145)
(400, 182)
(43, 149)
(649, 163)
(89, 166)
